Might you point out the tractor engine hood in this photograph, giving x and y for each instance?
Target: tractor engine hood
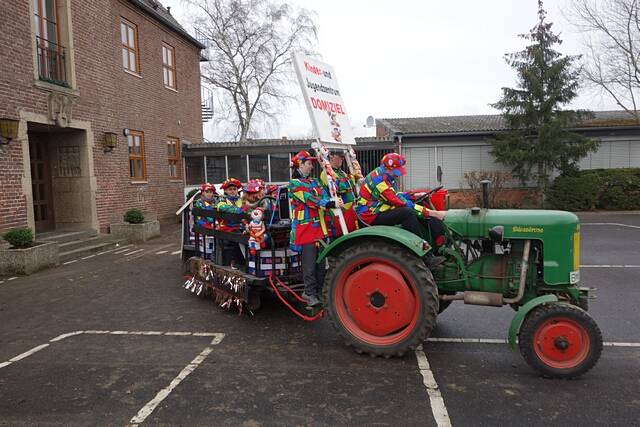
(559, 231)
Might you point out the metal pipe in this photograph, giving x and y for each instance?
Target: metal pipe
(484, 298)
(523, 274)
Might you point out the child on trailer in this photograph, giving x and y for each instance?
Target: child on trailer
(206, 201)
(231, 203)
(254, 191)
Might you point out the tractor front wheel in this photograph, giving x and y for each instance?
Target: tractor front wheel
(560, 340)
(381, 298)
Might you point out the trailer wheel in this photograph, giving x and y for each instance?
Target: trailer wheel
(380, 298)
(560, 340)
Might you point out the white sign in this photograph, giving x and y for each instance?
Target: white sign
(324, 101)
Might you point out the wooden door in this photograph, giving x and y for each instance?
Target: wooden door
(41, 184)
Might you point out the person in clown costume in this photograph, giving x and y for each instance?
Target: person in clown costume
(380, 203)
(206, 201)
(253, 192)
(346, 188)
(308, 201)
(231, 203)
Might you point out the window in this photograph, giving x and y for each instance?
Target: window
(216, 169)
(237, 167)
(259, 167)
(168, 66)
(194, 170)
(137, 169)
(279, 167)
(173, 154)
(50, 54)
(129, 38)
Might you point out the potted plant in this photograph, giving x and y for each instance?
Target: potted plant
(21, 255)
(135, 228)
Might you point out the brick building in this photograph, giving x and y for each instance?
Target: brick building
(104, 93)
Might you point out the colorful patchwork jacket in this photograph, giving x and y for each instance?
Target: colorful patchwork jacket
(345, 184)
(230, 205)
(379, 193)
(307, 200)
(205, 221)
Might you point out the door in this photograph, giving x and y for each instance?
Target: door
(41, 184)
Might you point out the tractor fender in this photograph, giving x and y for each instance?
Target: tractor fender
(522, 313)
(398, 235)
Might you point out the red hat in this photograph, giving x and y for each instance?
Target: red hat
(394, 163)
(254, 185)
(231, 182)
(207, 187)
(300, 158)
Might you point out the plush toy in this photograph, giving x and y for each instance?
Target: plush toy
(256, 230)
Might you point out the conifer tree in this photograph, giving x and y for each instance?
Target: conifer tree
(540, 140)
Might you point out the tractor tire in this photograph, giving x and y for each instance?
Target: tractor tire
(560, 340)
(381, 299)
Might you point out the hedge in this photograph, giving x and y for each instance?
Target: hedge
(613, 189)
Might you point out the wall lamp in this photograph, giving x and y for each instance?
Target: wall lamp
(8, 130)
(110, 141)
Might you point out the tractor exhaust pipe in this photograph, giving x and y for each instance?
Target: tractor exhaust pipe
(485, 193)
(493, 298)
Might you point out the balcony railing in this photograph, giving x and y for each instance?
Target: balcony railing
(52, 65)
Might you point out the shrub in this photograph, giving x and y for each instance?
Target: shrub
(134, 216)
(191, 193)
(19, 237)
(596, 189)
(499, 180)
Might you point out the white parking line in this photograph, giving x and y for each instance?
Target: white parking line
(609, 266)
(110, 250)
(87, 257)
(69, 262)
(11, 278)
(438, 408)
(610, 223)
(161, 252)
(503, 341)
(123, 250)
(162, 394)
(176, 252)
(134, 252)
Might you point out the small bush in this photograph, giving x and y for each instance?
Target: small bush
(19, 237)
(614, 189)
(134, 216)
(191, 193)
(499, 181)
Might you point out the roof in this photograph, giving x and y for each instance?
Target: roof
(488, 123)
(156, 10)
(284, 142)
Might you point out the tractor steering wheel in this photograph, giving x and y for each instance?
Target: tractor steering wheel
(428, 194)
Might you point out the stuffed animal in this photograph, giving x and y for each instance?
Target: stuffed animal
(256, 230)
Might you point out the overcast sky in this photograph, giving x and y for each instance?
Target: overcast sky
(418, 58)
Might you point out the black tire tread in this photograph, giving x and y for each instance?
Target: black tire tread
(412, 264)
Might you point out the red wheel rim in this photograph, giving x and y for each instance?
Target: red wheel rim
(376, 301)
(561, 343)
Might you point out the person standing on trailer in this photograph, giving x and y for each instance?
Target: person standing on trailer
(231, 203)
(380, 203)
(309, 202)
(346, 188)
(206, 201)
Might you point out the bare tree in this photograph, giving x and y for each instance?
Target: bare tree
(612, 41)
(249, 57)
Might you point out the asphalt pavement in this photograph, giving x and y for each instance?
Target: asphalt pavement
(115, 340)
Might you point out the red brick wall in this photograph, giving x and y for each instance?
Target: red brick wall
(110, 99)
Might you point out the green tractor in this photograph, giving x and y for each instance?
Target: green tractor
(382, 299)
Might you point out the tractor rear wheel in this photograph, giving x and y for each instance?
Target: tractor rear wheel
(380, 298)
(560, 340)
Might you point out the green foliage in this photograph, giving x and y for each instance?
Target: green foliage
(134, 216)
(19, 237)
(615, 189)
(539, 141)
(191, 193)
